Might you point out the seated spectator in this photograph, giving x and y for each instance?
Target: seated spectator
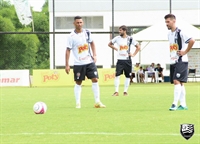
(135, 69)
(151, 72)
(141, 74)
(160, 71)
(146, 69)
(152, 67)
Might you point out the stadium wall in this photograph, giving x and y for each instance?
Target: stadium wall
(156, 52)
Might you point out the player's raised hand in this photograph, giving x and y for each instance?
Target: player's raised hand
(67, 69)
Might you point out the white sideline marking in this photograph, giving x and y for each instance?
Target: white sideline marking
(98, 133)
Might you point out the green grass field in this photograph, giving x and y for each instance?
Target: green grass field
(140, 118)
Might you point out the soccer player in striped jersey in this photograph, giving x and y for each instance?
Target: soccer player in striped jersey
(180, 45)
(124, 62)
(79, 42)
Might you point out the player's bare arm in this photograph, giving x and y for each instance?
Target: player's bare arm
(136, 50)
(190, 44)
(67, 55)
(110, 44)
(93, 51)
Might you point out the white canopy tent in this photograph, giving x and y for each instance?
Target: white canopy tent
(158, 32)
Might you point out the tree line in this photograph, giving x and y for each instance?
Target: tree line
(23, 51)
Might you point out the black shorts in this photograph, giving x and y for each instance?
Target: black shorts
(124, 66)
(89, 70)
(179, 71)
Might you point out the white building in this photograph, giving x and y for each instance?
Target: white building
(97, 16)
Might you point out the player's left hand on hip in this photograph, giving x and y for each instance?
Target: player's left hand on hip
(180, 53)
(131, 55)
(95, 58)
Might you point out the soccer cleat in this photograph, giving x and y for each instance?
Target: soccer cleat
(182, 108)
(116, 94)
(78, 105)
(173, 107)
(99, 105)
(125, 94)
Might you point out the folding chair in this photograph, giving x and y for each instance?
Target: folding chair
(192, 74)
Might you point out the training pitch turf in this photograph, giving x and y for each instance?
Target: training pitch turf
(140, 118)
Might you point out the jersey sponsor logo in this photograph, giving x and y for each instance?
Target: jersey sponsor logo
(85, 58)
(82, 48)
(173, 47)
(125, 47)
(124, 55)
(174, 58)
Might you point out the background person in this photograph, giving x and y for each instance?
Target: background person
(151, 72)
(124, 62)
(135, 70)
(160, 71)
(79, 42)
(141, 74)
(180, 45)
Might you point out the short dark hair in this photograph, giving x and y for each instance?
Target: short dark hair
(77, 17)
(123, 27)
(170, 16)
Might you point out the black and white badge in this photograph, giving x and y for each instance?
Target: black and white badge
(187, 130)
